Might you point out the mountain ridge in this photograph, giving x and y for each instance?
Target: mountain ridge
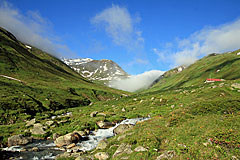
(101, 70)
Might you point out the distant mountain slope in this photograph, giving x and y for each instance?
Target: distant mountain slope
(221, 66)
(103, 70)
(32, 81)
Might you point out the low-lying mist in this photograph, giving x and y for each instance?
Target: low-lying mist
(136, 82)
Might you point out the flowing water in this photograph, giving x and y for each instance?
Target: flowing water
(48, 150)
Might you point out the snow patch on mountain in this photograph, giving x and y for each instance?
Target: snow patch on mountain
(103, 70)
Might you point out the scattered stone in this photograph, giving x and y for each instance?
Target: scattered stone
(76, 149)
(101, 155)
(152, 98)
(121, 137)
(214, 86)
(172, 106)
(103, 124)
(82, 133)
(182, 145)
(135, 99)
(38, 128)
(236, 85)
(141, 101)
(140, 149)
(49, 123)
(71, 146)
(102, 114)
(123, 109)
(102, 144)
(206, 144)
(31, 122)
(122, 128)
(234, 158)
(18, 140)
(65, 154)
(94, 114)
(166, 155)
(123, 149)
(55, 136)
(80, 158)
(35, 149)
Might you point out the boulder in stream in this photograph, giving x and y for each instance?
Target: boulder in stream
(105, 125)
(18, 140)
(68, 139)
(122, 128)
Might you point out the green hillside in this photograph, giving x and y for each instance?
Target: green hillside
(219, 66)
(33, 83)
(190, 119)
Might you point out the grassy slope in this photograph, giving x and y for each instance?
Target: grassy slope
(197, 120)
(207, 67)
(184, 110)
(47, 85)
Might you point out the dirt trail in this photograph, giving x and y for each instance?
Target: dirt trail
(11, 78)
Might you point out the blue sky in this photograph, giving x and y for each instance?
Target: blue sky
(139, 35)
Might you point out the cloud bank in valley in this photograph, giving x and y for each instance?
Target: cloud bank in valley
(119, 25)
(218, 39)
(31, 29)
(137, 82)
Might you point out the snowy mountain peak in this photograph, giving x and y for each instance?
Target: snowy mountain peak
(103, 70)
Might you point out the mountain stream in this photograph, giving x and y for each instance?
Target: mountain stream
(46, 149)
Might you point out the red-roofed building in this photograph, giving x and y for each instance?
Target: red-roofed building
(213, 80)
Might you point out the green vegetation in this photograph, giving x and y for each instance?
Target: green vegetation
(195, 120)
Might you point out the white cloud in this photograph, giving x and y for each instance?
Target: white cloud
(31, 28)
(136, 82)
(218, 39)
(119, 25)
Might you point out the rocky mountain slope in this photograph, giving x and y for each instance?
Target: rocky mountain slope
(101, 70)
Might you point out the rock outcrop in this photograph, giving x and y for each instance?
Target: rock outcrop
(18, 140)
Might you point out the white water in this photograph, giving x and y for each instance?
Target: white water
(101, 134)
(49, 149)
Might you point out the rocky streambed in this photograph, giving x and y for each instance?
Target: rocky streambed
(70, 144)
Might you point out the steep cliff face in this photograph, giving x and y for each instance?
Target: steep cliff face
(102, 70)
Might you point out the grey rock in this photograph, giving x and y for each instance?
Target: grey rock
(123, 149)
(94, 114)
(101, 155)
(166, 155)
(236, 85)
(38, 128)
(49, 123)
(103, 124)
(55, 136)
(102, 114)
(140, 149)
(122, 128)
(31, 122)
(102, 144)
(18, 140)
(68, 139)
